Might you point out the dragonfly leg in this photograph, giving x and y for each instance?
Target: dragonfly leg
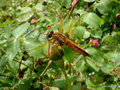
(49, 47)
(55, 42)
(49, 51)
(61, 43)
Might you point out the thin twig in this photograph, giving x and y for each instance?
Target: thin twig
(24, 64)
(72, 8)
(49, 63)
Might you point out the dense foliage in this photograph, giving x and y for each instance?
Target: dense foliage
(24, 48)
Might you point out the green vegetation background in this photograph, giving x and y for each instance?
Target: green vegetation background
(93, 24)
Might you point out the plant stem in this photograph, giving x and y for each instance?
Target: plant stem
(72, 8)
(24, 64)
(49, 63)
(67, 79)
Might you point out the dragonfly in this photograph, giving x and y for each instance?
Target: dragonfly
(64, 40)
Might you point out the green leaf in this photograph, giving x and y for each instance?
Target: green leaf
(31, 43)
(107, 68)
(77, 86)
(12, 48)
(90, 84)
(114, 57)
(104, 6)
(3, 60)
(70, 57)
(79, 11)
(3, 41)
(93, 65)
(92, 20)
(7, 32)
(24, 14)
(96, 33)
(39, 7)
(20, 30)
(61, 83)
(106, 38)
(79, 32)
(89, 0)
(13, 66)
(86, 34)
(6, 23)
(96, 57)
(23, 86)
(80, 65)
(66, 3)
(53, 88)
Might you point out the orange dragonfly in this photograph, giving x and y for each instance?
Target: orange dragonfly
(63, 40)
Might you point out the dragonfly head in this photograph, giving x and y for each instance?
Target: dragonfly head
(50, 33)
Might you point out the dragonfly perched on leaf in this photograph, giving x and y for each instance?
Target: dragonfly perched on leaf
(61, 39)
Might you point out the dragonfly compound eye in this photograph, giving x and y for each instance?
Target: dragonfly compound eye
(49, 34)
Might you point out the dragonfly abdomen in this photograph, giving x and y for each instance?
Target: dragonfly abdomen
(76, 47)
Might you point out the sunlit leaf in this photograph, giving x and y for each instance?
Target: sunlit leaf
(90, 84)
(66, 2)
(39, 7)
(80, 65)
(91, 19)
(107, 68)
(79, 11)
(104, 6)
(53, 88)
(6, 23)
(114, 57)
(93, 65)
(96, 57)
(89, 0)
(12, 48)
(20, 30)
(86, 34)
(24, 14)
(7, 32)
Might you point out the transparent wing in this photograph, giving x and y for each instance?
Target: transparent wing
(66, 26)
(40, 51)
(61, 25)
